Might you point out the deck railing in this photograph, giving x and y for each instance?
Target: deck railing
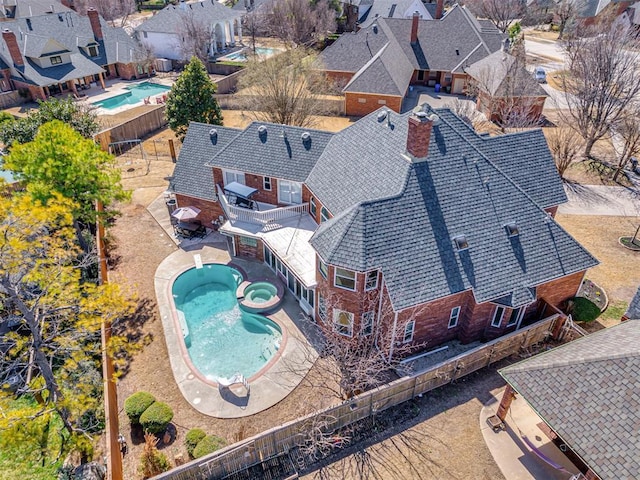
(264, 217)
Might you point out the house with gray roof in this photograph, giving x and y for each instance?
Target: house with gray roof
(588, 393)
(11, 9)
(633, 310)
(411, 222)
(62, 52)
(168, 31)
(379, 63)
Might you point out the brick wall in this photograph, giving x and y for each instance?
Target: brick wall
(257, 182)
(209, 210)
(557, 292)
(339, 78)
(127, 71)
(355, 107)
(248, 251)
(552, 211)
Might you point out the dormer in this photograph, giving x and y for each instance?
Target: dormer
(88, 46)
(45, 52)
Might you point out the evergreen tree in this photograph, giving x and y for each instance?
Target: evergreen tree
(191, 99)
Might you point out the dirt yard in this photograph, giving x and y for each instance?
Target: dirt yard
(441, 441)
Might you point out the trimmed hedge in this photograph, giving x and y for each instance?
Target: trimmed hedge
(207, 445)
(136, 404)
(584, 310)
(193, 438)
(156, 418)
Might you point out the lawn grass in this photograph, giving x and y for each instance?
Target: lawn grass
(614, 311)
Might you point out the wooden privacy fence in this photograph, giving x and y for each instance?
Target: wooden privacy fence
(283, 439)
(330, 105)
(136, 127)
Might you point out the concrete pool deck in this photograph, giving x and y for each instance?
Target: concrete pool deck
(286, 371)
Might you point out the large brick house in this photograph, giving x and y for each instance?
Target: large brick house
(61, 51)
(411, 223)
(378, 64)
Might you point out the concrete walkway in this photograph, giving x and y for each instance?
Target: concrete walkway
(514, 458)
(601, 200)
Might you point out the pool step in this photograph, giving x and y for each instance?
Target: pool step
(240, 289)
(198, 261)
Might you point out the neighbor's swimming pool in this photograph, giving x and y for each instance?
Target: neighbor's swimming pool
(136, 94)
(221, 338)
(241, 56)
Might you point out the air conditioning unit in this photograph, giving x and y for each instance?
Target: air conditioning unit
(163, 65)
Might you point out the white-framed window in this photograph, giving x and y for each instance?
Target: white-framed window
(56, 60)
(312, 207)
(516, 316)
(408, 331)
(248, 241)
(362, 100)
(371, 282)
(93, 51)
(497, 316)
(266, 183)
(308, 295)
(322, 307)
(367, 324)
(281, 268)
(324, 215)
(344, 279)
(343, 322)
(269, 257)
(289, 192)
(323, 269)
(382, 102)
(454, 316)
(233, 176)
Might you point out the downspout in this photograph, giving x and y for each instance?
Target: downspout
(379, 312)
(393, 336)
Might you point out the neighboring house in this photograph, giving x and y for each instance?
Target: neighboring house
(633, 311)
(629, 20)
(413, 221)
(57, 53)
(395, 9)
(588, 393)
(12, 9)
(379, 63)
(164, 31)
(505, 88)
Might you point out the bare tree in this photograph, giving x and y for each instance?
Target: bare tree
(195, 36)
(466, 110)
(601, 83)
(501, 12)
(627, 130)
(285, 88)
(116, 12)
(565, 147)
(566, 12)
(301, 22)
(145, 57)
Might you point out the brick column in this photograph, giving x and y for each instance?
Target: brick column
(507, 397)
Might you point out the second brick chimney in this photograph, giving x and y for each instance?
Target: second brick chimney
(439, 9)
(414, 28)
(94, 18)
(12, 44)
(419, 135)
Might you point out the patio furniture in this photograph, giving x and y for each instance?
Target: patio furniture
(240, 195)
(190, 230)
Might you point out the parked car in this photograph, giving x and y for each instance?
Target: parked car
(540, 74)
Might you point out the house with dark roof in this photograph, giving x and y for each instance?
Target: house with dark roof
(505, 90)
(61, 52)
(378, 64)
(11, 9)
(588, 393)
(411, 222)
(164, 31)
(633, 310)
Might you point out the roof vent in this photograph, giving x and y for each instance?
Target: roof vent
(461, 242)
(434, 118)
(262, 129)
(306, 136)
(382, 115)
(512, 229)
(213, 134)
(457, 52)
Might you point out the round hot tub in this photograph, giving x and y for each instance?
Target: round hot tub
(261, 296)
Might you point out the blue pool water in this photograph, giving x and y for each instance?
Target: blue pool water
(136, 94)
(221, 338)
(241, 56)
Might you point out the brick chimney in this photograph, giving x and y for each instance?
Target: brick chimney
(419, 135)
(439, 9)
(94, 18)
(414, 28)
(10, 39)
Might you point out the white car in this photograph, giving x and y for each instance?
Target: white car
(540, 74)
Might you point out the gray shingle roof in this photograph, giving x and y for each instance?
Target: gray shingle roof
(31, 8)
(633, 311)
(500, 75)
(409, 234)
(192, 176)
(588, 391)
(170, 18)
(353, 50)
(271, 154)
(387, 9)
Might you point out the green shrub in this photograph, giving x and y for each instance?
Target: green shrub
(584, 310)
(136, 404)
(207, 445)
(193, 438)
(156, 418)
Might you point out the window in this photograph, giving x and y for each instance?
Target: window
(322, 307)
(408, 331)
(382, 102)
(266, 183)
(367, 324)
(516, 316)
(281, 268)
(372, 280)
(248, 241)
(362, 100)
(345, 279)
(420, 75)
(312, 207)
(93, 51)
(497, 317)
(343, 322)
(269, 258)
(324, 215)
(56, 60)
(307, 295)
(454, 316)
(322, 267)
(144, 34)
(289, 192)
(233, 176)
